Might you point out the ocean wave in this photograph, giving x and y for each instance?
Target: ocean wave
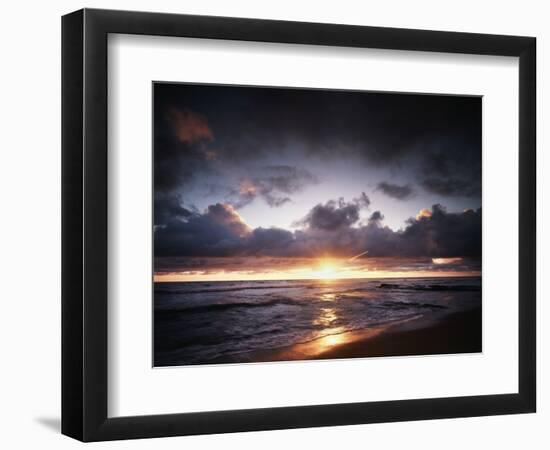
(224, 306)
(230, 289)
(430, 287)
(406, 305)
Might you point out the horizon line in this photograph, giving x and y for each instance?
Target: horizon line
(458, 275)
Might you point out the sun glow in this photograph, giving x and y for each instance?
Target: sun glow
(327, 270)
(324, 269)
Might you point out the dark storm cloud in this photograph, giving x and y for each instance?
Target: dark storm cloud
(287, 179)
(275, 202)
(445, 234)
(219, 231)
(363, 200)
(334, 215)
(452, 166)
(188, 126)
(331, 228)
(435, 138)
(181, 147)
(169, 207)
(395, 191)
(173, 264)
(269, 241)
(453, 187)
(376, 217)
(261, 144)
(273, 184)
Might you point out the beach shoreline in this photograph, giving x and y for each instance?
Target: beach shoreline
(458, 332)
(454, 333)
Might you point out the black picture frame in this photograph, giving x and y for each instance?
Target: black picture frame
(84, 224)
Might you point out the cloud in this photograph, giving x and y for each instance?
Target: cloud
(274, 184)
(424, 212)
(363, 200)
(331, 228)
(218, 231)
(334, 214)
(269, 241)
(168, 207)
(453, 187)
(446, 261)
(376, 217)
(268, 265)
(173, 264)
(230, 146)
(182, 148)
(189, 127)
(431, 138)
(287, 179)
(395, 191)
(226, 216)
(444, 234)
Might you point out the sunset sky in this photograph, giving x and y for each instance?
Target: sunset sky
(268, 183)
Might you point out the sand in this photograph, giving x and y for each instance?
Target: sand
(453, 333)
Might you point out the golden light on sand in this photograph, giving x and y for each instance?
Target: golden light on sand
(333, 339)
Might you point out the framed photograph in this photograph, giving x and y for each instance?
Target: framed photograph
(273, 224)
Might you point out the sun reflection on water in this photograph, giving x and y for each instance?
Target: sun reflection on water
(330, 335)
(328, 297)
(326, 317)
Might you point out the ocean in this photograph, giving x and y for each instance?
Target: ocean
(209, 322)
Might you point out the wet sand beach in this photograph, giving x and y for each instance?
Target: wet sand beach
(458, 332)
